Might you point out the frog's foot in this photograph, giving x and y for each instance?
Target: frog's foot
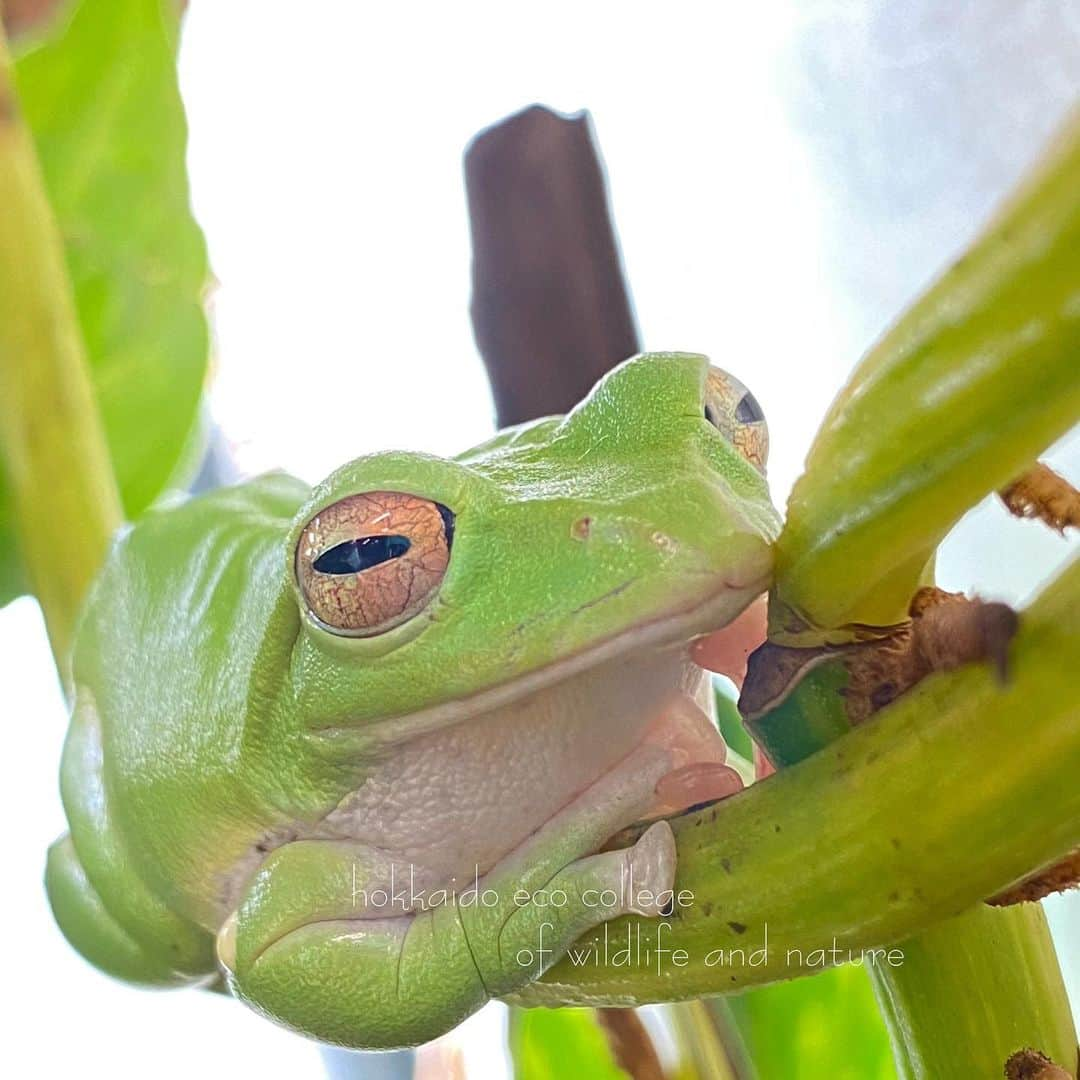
(635, 881)
(376, 983)
(698, 755)
(96, 933)
(650, 864)
(296, 951)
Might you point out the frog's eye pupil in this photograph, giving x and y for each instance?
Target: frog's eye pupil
(448, 523)
(748, 411)
(736, 414)
(355, 556)
(372, 561)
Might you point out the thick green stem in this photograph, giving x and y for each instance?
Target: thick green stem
(905, 821)
(972, 383)
(707, 1041)
(52, 446)
(972, 991)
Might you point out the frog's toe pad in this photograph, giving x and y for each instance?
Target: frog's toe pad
(226, 944)
(651, 866)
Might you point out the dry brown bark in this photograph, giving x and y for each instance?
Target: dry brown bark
(550, 309)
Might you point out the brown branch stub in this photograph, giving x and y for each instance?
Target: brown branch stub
(1045, 496)
(1029, 1064)
(630, 1044)
(1057, 878)
(946, 631)
(550, 309)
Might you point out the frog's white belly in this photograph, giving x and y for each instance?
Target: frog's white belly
(450, 804)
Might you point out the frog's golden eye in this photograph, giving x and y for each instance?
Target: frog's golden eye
(369, 562)
(735, 413)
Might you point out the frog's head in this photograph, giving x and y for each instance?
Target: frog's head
(640, 519)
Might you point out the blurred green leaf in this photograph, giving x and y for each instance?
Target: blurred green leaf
(824, 1026)
(731, 725)
(102, 100)
(550, 1044)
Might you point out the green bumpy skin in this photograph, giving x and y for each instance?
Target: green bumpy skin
(239, 779)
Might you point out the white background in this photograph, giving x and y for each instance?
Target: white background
(784, 179)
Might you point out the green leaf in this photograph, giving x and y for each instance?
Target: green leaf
(827, 1025)
(102, 100)
(731, 724)
(549, 1044)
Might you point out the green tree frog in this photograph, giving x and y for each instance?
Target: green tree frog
(357, 749)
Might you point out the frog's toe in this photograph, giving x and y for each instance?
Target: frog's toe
(91, 929)
(651, 866)
(686, 732)
(225, 945)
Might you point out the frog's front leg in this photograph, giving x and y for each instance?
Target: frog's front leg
(296, 950)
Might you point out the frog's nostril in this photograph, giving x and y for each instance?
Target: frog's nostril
(581, 528)
(664, 542)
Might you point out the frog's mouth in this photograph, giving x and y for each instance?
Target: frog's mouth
(552, 734)
(676, 628)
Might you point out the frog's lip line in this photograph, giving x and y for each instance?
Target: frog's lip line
(681, 624)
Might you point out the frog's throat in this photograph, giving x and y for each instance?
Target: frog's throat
(715, 610)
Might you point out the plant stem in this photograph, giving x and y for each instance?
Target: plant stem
(63, 492)
(707, 1040)
(959, 398)
(975, 380)
(904, 821)
(972, 991)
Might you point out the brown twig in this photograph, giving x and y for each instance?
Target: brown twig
(550, 309)
(25, 16)
(1030, 1064)
(630, 1043)
(945, 631)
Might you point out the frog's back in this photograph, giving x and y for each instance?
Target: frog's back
(166, 679)
(176, 618)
